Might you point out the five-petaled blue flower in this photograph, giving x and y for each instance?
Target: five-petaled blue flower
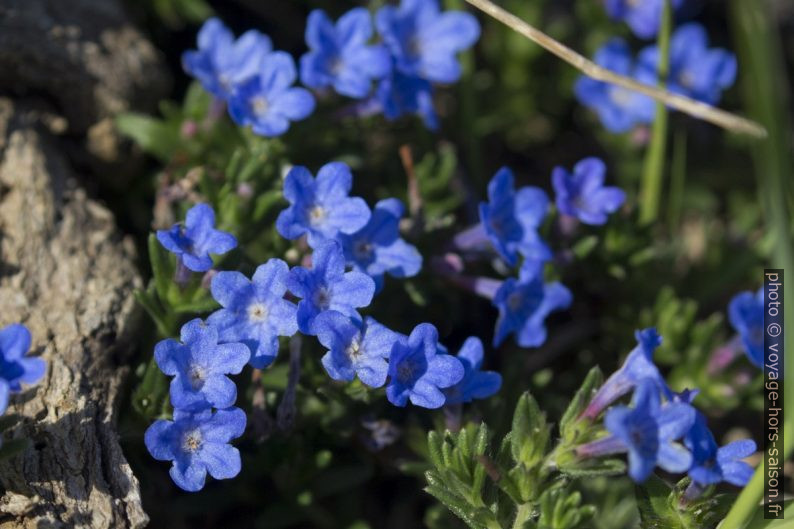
(696, 70)
(399, 94)
(710, 464)
(199, 365)
(339, 55)
(511, 219)
(15, 367)
(424, 41)
(418, 371)
(221, 62)
(647, 432)
(523, 307)
(198, 442)
(326, 286)
(196, 239)
(475, 384)
(377, 248)
(255, 312)
(583, 194)
(746, 314)
(638, 366)
(321, 207)
(618, 108)
(267, 101)
(355, 347)
(643, 16)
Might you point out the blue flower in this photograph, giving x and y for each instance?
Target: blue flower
(401, 94)
(255, 312)
(649, 429)
(638, 366)
(15, 367)
(583, 194)
(321, 207)
(647, 432)
(197, 442)
(424, 41)
(695, 70)
(326, 286)
(268, 101)
(618, 108)
(511, 219)
(221, 63)
(475, 384)
(339, 55)
(418, 371)
(355, 348)
(377, 248)
(746, 314)
(199, 365)
(196, 239)
(523, 307)
(643, 16)
(710, 464)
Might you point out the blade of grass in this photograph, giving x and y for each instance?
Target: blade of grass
(694, 108)
(653, 170)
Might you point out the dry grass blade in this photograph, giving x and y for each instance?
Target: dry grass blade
(689, 106)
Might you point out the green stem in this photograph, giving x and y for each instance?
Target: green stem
(654, 158)
(765, 94)
(523, 514)
(677, 180)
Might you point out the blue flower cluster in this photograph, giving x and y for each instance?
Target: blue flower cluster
(643, 16)
(661, 428)
(419, 47)
(255, 81)
(353, 248)
(695, 70)
(509, 225)
(16, 368)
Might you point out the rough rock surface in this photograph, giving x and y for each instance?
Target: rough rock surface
(67, 274)
(66, 68)
(85, 59)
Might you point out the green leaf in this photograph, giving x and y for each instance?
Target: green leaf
(154, 136)
(150, 398)
(569, 430)
(162, 267)
(148, 300)
(653, 502)
(530, 433)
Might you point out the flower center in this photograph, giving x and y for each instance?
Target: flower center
(196, 376)
(335, 66)
(322, 298)
(515, 301)
(260, 105)
(620, 96)
(415, 47)
(257, 312)
(405, 372)
(317, 214)
(354, 351)
(191, 441)
(362, 249)
(686, 79)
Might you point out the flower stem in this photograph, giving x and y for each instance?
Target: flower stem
(523, 514)
(654, 159)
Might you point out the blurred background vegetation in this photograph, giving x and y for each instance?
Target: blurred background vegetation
(721, 224)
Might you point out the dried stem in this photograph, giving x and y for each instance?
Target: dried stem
(689, 106)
